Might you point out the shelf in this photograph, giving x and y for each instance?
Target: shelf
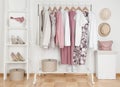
(17, 11)
(16, 62)
(17, 28)
(18, 45)
(60, 71)
(16, 24)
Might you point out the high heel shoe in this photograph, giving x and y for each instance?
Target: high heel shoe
(20, 41)
(20, 57)
(14, 40)
(14, 57)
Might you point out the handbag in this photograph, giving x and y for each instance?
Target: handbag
(105, 45)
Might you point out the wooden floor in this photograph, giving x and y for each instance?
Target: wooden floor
(60, 81)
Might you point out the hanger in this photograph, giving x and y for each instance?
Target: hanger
(49, 9)
(85, 9)
(66, 8)
(78, 8)
(54, 9)
(73, 9)
(60, 8)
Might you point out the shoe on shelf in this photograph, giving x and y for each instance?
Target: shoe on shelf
(14, 57)
(20, 41)
(20, 57)
(14, 40)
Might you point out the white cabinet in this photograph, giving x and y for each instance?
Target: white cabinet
(106, 64)
(16, 35)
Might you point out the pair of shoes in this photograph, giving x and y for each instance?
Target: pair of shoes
(16, 40)
(14, 57)
(20, 57)
(17, 57)
(20, 41)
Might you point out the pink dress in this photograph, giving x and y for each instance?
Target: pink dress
(67, 51)
(72, 27)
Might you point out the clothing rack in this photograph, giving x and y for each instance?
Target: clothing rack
(58, 4)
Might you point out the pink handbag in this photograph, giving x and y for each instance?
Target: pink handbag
(105, 45)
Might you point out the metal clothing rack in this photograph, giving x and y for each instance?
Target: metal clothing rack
(62, 4)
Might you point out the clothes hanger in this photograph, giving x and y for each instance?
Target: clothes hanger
(60, 8)
(67, 9)
(50, 9)
(78, 8)
(55, 9)
(72, 9)
(85, 9)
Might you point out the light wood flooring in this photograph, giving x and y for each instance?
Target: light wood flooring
(60, 80)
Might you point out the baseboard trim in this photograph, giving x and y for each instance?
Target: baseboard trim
(83, 74)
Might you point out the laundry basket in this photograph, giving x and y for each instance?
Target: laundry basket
(49, 65)
(17, 74)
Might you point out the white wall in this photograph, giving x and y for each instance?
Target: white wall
(36, 53)
(1, 35)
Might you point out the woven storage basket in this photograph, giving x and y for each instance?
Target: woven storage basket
(49, 65)
(17, 74)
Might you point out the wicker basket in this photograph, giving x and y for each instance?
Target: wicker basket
(17, 74)
(49, 65)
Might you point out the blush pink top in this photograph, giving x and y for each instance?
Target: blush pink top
(59, 30)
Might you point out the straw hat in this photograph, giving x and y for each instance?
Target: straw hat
(104, 29)
(105, 14)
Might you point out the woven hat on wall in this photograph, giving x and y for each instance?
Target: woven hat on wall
(104, 29)
(105, 14)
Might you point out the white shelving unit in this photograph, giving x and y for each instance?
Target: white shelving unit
(16, 23)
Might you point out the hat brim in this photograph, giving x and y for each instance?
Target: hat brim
(104, 29)
(105, 14)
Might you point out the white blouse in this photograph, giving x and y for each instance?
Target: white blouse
(67, 29)
(80, 22)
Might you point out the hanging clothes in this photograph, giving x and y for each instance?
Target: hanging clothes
(80, 52)
(72, 33)
(59, 30)
(80, 22)
(67, 29)
(39, 33)
(93, 38)
(65, 56)
(46, 29)
(65, 52)
(53, 29)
